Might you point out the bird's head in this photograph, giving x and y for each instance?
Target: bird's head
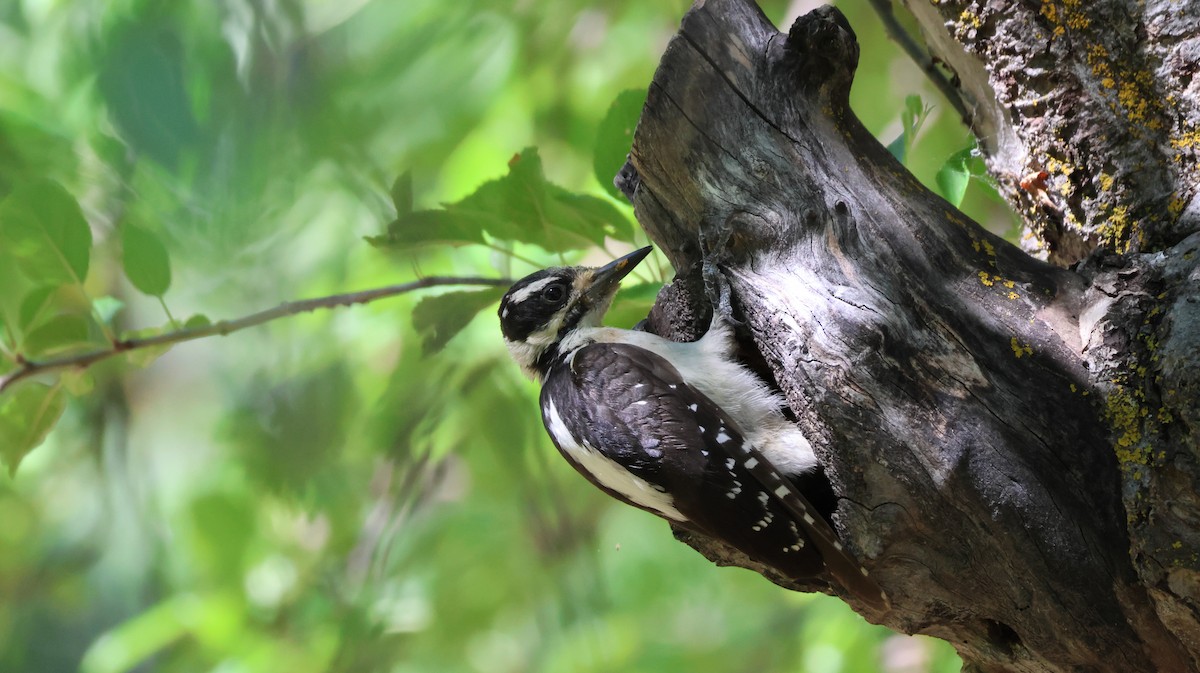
(543, 308)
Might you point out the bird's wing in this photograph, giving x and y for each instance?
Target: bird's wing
(624, 417)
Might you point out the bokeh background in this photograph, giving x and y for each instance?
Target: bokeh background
(321, 493)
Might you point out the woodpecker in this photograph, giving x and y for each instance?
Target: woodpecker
(680, 430)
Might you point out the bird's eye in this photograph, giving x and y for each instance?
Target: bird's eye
(554, 293)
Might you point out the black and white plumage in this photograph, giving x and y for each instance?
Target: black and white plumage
(680, 430)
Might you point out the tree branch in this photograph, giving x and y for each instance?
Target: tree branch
(27, 368)
(923, 59)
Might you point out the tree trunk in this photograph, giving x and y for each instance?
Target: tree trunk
(1097, 93)
(1011, 442)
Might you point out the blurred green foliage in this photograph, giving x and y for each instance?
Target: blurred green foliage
(346, 491)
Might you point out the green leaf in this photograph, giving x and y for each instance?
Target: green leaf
(899, 147)
(914, 111)
(146, 261)
(13, 288)
(430, 227)
(523, 206)
(955, 175)
(43, 228)
(615, 136)
(912, 118)
(62, 332)
(952, 180)
(591, 218)
(78, 382)
(511, 207)
(439, 317)
(27, 414)
(106, 308)
(34, 305)
(197, 321)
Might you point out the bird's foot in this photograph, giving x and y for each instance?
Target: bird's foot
(716, 284)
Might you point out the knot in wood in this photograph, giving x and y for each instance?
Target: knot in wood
(822, 51)
(746, 233)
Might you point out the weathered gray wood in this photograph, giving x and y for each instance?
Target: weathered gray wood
(942, 373)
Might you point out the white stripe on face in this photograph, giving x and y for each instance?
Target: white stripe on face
(531, 289)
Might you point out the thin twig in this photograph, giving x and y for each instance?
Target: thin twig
(922, 58)
(27, 368)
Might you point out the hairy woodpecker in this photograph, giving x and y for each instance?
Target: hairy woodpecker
(680, 430)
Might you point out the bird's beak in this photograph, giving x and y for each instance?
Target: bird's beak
(608, 277)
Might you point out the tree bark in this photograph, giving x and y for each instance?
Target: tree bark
(1011, 442)
(1098, 93)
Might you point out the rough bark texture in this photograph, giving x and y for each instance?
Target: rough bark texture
(1101, 94)
(1012, 442)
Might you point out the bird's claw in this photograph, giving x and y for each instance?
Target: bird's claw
(716, 284)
